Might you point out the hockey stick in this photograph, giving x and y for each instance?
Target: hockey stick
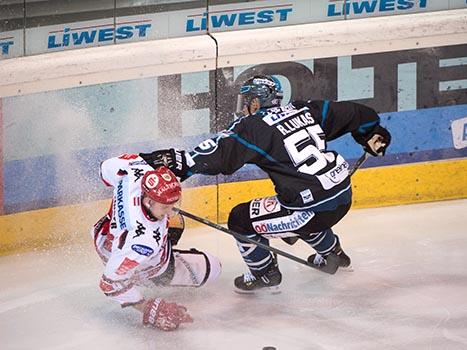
(245, 239)
(359, 162)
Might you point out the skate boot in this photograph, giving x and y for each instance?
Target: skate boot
(269, 281)
(331, 262)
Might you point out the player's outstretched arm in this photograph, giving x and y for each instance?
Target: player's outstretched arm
(157, 313)
(174, 159)
(362, 121)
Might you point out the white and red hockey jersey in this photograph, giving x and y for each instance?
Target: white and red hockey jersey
(133, 246)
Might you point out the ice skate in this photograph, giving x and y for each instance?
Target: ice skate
(268, 282)
(330, 263)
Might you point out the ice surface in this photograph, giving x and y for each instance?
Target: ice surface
(408, 290)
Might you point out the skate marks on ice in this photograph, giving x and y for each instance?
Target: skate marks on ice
(407, 291)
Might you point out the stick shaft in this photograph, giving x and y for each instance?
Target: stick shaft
(243, 238)
(359, 162)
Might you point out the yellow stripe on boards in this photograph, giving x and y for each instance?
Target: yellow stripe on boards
(410, 183)
(373, 187)
(44, 228)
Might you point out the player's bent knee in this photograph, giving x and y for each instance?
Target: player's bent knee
(234, 216)
(239, 218)
(194, 268)
(215, 267)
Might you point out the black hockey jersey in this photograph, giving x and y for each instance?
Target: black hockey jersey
(289, 143)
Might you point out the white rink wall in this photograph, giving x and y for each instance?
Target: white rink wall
(192, 54)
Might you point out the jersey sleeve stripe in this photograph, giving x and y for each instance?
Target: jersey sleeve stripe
(324, 112)
(364, 128)
(253, 147)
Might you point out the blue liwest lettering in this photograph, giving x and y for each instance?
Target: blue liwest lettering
(106, 34)
(364, 7)
(464, 134)
(267, 16)
(223, 20)
(227, 20)
(126, 32)
(87, 37)
(77, 37)
(5, 47)
(372, 6)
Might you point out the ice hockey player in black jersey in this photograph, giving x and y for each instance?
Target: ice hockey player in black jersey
(312, 183)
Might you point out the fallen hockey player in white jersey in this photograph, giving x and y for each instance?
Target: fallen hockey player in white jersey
(134, 241)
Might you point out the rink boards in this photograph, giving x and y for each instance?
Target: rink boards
(57, 124)
(389, 185)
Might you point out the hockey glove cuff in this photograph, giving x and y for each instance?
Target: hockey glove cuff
(375, 142)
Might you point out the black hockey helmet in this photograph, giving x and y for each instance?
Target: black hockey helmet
(266, 88)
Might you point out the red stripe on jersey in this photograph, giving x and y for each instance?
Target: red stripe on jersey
(126, 266)
(128, 156)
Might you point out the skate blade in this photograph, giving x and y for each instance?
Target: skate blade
(262, 291)
(346, 269)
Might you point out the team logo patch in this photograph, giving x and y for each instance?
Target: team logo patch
(151, 181)
(166, 177)
(307, 196)
(142, 249)
(264, 206)
(285, 223)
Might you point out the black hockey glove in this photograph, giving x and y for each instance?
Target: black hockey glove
(376, 141)
(172, 158)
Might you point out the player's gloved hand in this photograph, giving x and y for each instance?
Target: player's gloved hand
(172, 158)
(376, 141)
(164, 315)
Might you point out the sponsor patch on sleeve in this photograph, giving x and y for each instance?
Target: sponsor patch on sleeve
(307, 196)
(142, 249)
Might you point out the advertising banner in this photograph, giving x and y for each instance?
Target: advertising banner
(11, 44)
(97, 27)
(369, 8)
(101, 32)
(86, 34)
(278, 13)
